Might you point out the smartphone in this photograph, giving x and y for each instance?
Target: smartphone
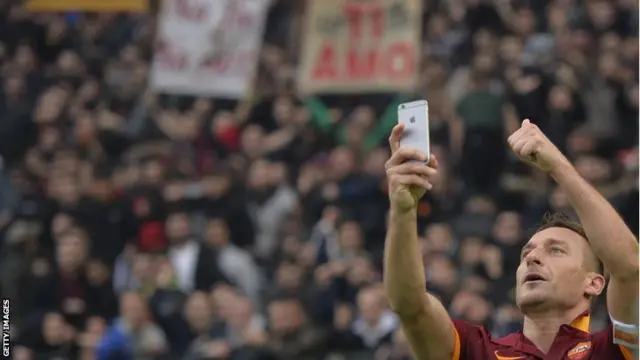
(415, 117)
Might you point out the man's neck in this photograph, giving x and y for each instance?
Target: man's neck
(542, 327)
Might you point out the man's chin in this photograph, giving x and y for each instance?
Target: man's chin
(532, 300)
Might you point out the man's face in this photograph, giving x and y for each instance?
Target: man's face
(370, 306)
(289, 277)
(71, 251)
(133, 309)
(53, 329)
(217, 233)
(198, 311)
(285, 316)
(177, 227)
(350, 236)
(552, 271)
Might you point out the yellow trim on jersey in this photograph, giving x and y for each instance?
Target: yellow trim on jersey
(582, 323)
(456, 345)
(626, 353)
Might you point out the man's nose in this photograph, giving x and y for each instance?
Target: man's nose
(532, 258)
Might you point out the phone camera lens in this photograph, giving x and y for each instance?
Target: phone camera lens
(412, 119)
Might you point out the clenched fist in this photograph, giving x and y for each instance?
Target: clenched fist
(533, 147)
(407, 174)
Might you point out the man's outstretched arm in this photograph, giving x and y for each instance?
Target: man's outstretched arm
(426, 323)
(610, 238)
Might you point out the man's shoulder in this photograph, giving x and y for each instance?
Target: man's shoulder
(476, 342)
(462, 325)
(478, 334)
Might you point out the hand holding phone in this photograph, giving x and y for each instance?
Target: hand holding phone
(407, 171)
(414, 116)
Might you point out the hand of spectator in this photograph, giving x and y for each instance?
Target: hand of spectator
(323, 275)
(337, 268)
(330, 192)
(73, 306)
(172, 192)
(530, 145)
(407, 175)
(254, 338)
(22, 353)
(109, 121)
(217, 349)
(87, 340)
(307, 256)
(330, 215)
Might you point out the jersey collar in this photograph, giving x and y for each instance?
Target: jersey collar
(577, 329)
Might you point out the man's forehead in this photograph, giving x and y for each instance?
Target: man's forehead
(554, 235)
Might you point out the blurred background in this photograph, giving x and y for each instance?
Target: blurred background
(194, 179)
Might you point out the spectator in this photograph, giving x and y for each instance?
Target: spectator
(235, 263)
(195, 265)
(132, 335)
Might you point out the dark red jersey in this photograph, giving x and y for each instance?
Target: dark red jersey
(573, 342)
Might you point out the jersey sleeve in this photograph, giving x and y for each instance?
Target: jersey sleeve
(470, 339)
(625, 334)
(626, 337)
(613, 344)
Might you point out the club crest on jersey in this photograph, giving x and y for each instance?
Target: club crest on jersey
(580, 351)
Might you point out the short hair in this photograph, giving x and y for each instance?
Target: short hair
(560, 220)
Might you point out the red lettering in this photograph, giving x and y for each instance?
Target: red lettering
(400, 60)
(394, 61)
(325, 66)
(167, 57)
(354, 19)
(244, 21)
(378, 23)
(237, 63)
(189, 10)
(355, 14)
(362, 64)
(235, 16)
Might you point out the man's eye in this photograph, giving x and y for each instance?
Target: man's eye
(556, 251)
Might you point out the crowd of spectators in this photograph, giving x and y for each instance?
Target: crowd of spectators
(137, 225)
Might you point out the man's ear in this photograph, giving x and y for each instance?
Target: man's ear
(595, 284)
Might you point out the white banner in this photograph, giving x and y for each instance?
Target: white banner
(358, 46)
(208, 47)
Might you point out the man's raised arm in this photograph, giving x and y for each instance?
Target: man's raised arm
(610, 238)
(426, 323)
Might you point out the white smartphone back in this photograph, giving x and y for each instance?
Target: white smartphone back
(415, 117)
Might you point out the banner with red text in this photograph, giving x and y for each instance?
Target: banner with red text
(208, 48)
(361, 46)
(89, 5)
